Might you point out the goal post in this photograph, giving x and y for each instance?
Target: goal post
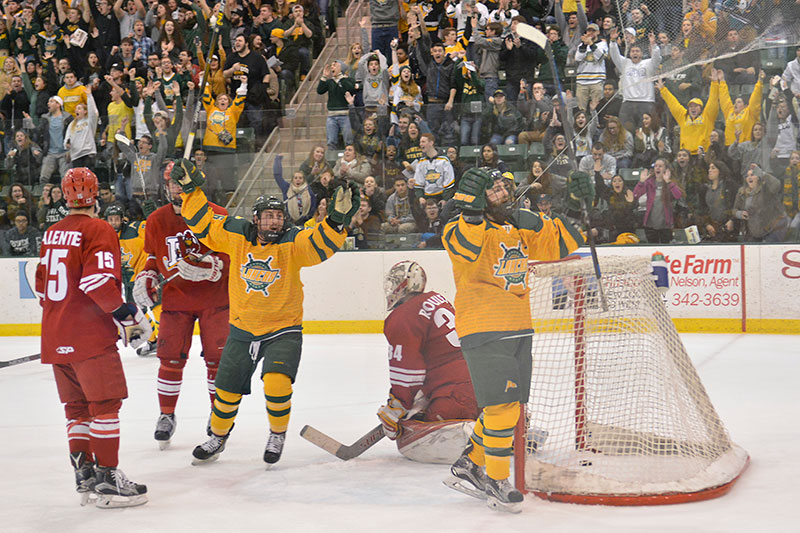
(617, 414)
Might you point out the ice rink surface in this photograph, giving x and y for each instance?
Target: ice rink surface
(751, 379)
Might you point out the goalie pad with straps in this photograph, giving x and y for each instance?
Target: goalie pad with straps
(440, 442)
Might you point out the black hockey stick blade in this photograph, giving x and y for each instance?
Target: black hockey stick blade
(334, 447)
(20, 360)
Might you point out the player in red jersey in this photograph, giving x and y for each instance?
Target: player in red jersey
(79, 284)
(431, 406)
(199, 293)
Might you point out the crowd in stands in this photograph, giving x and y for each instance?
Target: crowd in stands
(667, 105)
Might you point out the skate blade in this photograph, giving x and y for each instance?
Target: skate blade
(196, 461)
(163, 444)
(108, 501)
(87, 498)
(496, 505)
(464, 488)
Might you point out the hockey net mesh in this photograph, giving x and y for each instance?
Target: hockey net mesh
(616, 406)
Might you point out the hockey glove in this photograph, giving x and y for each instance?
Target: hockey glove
(145, 288)
(471, 193)
(391, 414)
(344, 204)
(187, 175)
(133, 326)
(208, 268)
(581, 187)
(148, 206)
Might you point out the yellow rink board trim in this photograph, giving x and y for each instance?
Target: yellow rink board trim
(327, 327)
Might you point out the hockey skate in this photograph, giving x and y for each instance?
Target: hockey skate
(165, 428)
(502, 496)
(467, 477)
(84, 476)
(147, 349)
(209, 451)
(272, 453)
(114, 489)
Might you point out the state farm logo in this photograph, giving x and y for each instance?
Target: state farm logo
(64, 350)
(791, 258)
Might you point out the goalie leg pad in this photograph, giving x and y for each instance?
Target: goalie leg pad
(439, 442)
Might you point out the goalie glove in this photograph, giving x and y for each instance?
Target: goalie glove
(208, 268)
(145, 288)
(390, 415)
(133, 326)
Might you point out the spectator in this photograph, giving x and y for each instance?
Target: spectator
(146, 178)
(249, 69)
(50, 133)
(558, 160)
(755, 151)
(162, 129)
(684, 82)
(489, 158)
(600, 165)
(560, 54)
(336, 84)
(75, 23)
(618, 142)
(297, 195)
(703, 18)
(23, 239)
(791, 75)
(650, 141)
(659, 192)
(502, 119)
(540, 180)
(288, 57)
(375, 195)
(44, 86)
(585, 131)
(782, 131)
(572, 26)
(409, 150)
(791, 195)
(634, 73)
(14, 106)
(590, 57)
(471, 88)
(741, 68)
(433, 176)
(79, 139)
(324, 185)
(697, 122)
(368, 141)
(517, 55)
(459, 166)
(265, 22)
(141, 42)
(717, 218)
(488, 51)
(621, 209)
(216, 76)
(53, 207)
(690, 175)
(537, 110)
(320, 213)
(609, 106)
(759, 202)
(20, 200)
(365, 226)
(314, 164)
(72, 93)
(738, 116)
(222, 117)
(440, 72)
(24, 160)
(399, 217)
(430, 225)
(170, 42)
(352, 165)
(385, 16)
(299, 34)
(405, 93)
(128, 12)
(389, 167)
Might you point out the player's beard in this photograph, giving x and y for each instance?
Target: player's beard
(499, 213)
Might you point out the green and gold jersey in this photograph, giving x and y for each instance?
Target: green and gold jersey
(264, 287)
(131, 246)
(490, 267)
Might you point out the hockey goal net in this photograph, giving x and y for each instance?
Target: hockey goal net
(617, 414)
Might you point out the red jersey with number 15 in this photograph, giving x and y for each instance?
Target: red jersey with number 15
(162, 243)
(424, 350)
(79, 284)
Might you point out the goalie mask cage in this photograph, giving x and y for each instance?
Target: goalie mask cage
(617, 414)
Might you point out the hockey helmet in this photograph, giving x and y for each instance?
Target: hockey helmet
(114, 210)
(80, 187)
(265, 204)
(627, 238)
(404, 278)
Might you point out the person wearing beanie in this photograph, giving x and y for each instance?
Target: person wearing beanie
(695, 121)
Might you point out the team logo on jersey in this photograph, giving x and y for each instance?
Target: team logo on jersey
(432, 176)
(513, 266)
(510, 385)
(125, 257)
(258, 274)
(65, 350)
(181, 245)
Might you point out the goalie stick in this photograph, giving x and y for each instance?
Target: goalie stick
(20, 360)
(532, 34)
(338, 449)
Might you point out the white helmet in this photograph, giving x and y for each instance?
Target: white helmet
(404, 278)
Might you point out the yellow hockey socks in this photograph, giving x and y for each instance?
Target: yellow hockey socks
(278, 393)
(476, 453)
(226, 406)
(498, 438)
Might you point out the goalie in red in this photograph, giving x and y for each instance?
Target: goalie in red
(431, 407)
(79, 284)
(199, 293)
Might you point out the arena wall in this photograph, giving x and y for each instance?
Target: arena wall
(722, 289)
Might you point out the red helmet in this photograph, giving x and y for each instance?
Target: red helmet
(79, 186)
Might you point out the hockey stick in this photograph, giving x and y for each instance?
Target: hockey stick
(126, 145)
(338, 449)
(187, 150)
(532, 34)
(20, 360)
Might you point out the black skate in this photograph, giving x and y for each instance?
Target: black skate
(114, 489)
(165, 428)
(502, 496)
(467, 477)
(272, 453)
(147, 349)
(209, 451)
(84, 476)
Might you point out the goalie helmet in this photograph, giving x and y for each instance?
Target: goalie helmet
(265, 204)
(404, 278)
(80, 187)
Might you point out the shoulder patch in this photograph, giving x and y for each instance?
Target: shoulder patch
(218, 216)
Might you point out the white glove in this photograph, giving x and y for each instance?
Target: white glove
(391, 414)
(208, 268)
(145, 288)
(133, 326)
